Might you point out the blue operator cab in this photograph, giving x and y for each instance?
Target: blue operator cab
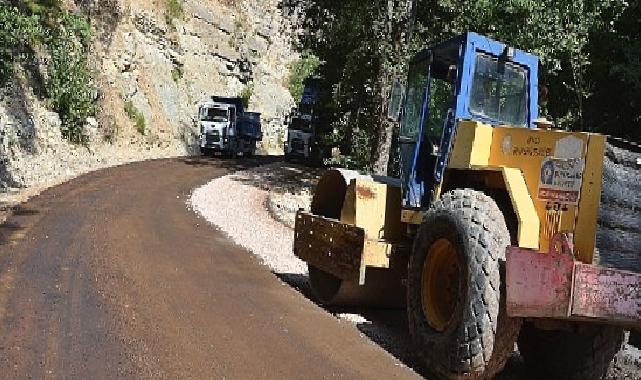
(469, 77)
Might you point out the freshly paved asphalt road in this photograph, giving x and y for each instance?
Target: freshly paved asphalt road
(110, 275)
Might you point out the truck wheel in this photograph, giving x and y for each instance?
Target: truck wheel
(251, 151)
(567, 355)
(231, 153)
(455, 296)
(635, 338)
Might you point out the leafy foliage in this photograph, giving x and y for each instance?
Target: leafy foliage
(174, 11)
(246, 94)
(41, 31)
(70, 83)
(177, 73)
(363, 46)
(589, 49)
(18, 33)
(299, 71)
(614, 106)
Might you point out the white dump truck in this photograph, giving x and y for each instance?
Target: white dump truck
(226, 128)
(299, 135)
(306, 124)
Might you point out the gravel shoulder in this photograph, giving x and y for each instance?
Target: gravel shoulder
(256, 209)
(236, 204)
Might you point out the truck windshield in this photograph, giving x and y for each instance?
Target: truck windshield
(499, 91)
(300, 124)
(214, 114)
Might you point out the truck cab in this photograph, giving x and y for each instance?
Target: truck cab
(300, 135)
(217, 121)
(305, 126)
(226, 128)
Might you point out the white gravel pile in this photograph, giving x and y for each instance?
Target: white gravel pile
(236, 204)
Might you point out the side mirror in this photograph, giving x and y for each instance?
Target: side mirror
(395, 100)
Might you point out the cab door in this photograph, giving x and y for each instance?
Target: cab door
(411, 131)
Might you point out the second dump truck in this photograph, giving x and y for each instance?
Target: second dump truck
(488, 237)
(306, 126)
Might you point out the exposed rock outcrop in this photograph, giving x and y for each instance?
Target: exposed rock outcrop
(162, 67)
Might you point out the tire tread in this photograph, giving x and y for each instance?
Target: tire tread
(478, 352)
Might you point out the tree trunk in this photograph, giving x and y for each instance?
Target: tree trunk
(386, 128)
(385, 144)
(385, 134)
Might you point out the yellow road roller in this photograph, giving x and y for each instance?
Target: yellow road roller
(488, 237)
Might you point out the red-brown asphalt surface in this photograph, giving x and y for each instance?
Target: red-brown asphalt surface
(111, 276)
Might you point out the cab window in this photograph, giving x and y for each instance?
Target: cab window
(499, 91)
(416, 85)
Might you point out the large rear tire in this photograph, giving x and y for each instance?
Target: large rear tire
(455, 297)
(585, 354)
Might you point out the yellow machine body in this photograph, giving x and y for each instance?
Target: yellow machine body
(553, 178)
(355, 224)
(440, 243)
(516, 160)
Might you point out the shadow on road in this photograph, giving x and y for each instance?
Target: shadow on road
(234, 164)
(289, 177)
(385, 327)
(12, 221)
(22, 211)
(388, 329)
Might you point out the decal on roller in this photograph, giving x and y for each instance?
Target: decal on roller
(561, 180)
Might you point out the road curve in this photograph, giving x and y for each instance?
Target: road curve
(111, 276)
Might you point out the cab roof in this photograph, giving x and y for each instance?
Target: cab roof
(461, 51)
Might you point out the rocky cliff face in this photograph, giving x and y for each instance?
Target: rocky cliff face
(154, 65)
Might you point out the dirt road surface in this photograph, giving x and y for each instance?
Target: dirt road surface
(110, 275)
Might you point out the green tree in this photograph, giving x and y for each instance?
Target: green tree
(70, 81)
(18, 32)
(300, 70)
(614, 106)
(365, 44)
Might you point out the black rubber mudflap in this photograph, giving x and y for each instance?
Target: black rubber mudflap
(619, 225)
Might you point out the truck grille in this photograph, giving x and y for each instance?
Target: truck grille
(297, 145)
(212, 138)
